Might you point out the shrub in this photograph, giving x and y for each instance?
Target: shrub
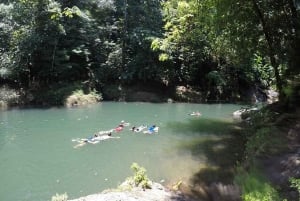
(257, 143)
(62, 197)
(261, 118)
(255, 187)
(140, 178)
(79, 98)
(295, 183)
(264, 141)
(8, 96)
(54, 94)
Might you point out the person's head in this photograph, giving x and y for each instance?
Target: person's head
(109, 134)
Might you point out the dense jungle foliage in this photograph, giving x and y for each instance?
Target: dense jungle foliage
(223, 49)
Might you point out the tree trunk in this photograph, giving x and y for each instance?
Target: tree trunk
(295, 40)
(294, 15)
(124, 37)
(271, 50)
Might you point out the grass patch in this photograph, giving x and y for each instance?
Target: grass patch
(265, 141)
(254, 186)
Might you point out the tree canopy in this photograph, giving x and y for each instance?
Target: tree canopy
(219, 47)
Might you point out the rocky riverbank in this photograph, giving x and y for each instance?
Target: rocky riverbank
(156, 193)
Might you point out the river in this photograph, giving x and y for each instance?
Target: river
(38, 158)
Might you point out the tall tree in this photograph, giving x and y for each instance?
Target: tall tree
(273, 30)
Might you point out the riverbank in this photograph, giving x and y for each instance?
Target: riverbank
(77, 94)
(157, 192)
(139, 187)
(280, 168)
(271, 169)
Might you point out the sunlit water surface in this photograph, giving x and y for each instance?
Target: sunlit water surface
(38, 158)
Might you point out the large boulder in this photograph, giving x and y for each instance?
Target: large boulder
(243, 113)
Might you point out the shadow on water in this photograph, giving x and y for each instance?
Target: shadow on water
(221, 143)
(202, 125)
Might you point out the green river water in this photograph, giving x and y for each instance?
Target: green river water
(38, 158)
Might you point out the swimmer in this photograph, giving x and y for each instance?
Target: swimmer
(195, 114)
(152, 129)
(121, 126)
(95, 140)
(138, 129)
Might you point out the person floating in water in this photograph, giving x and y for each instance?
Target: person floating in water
(121, 126)
(93, 140)
(104, 132)
(195, 114)
(138, 129)
(152, 129)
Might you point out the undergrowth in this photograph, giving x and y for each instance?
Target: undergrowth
(140, 178)
(263, 137)
(255, 187)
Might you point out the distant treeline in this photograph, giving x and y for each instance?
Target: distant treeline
(223, 49)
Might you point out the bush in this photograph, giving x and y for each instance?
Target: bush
(62, 197)
(55, 94)
(140, 178)
(295, 183)
(78, 98)
(262, 135)
(258, 143)
(254, 187)
(8, 96)
(261, 118)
